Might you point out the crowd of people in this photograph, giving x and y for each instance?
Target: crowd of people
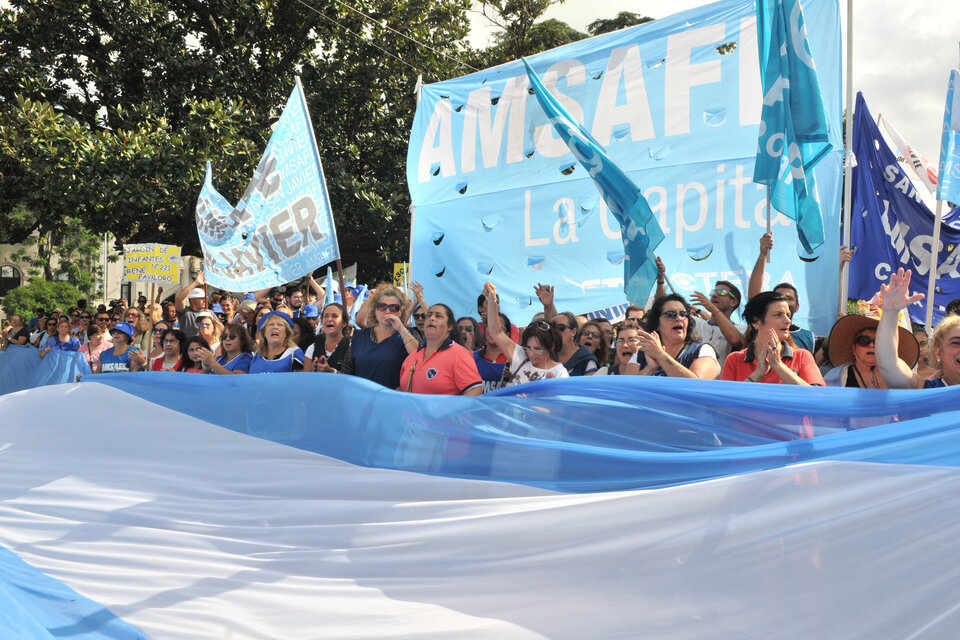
(413, 346)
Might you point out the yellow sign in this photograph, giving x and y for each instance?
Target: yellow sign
(401, 273)
(158, 263)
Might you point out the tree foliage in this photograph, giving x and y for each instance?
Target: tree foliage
(622, 20)
(39, 294)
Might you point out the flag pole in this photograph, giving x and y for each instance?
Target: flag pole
(847, 165)
(934, 263)
(768, 218)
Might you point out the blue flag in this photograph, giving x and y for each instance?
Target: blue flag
(891, 227)
(282, 227)
(328, 295)
(639, 228)
(948, 187)
(793, 130)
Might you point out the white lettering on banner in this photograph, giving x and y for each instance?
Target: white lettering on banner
(609, 283)
(440, 124)
(750, 89)
(719, 192)
(528, 239)
(544, 138)
(511, 107)
(624, 63)
(882, 272)
(904, 186)
(896, 234)
(681, 76)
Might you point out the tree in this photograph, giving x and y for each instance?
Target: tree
(39, 294)
(622, 20)
(70, 254)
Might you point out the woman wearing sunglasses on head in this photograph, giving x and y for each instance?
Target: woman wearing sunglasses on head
(669, 345)
(379, 350)
(536, 358)
(233, 355)
(771, 355)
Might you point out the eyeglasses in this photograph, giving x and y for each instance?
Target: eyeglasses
(417, 316)
(562, 327)
(230, 336)
(591, 334)
(631, 340)
(864, 341)
(392, 308)
(467, 328)
(170, 341)
(672, 315)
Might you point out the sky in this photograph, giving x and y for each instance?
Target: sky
(902, 54)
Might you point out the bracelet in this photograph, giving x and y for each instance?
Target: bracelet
(660, 281)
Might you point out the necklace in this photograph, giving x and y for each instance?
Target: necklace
(863, 383)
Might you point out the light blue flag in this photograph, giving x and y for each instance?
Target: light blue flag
(282, 227)
(793, 130)
(639, 228)
(328, 296)
(948, 186)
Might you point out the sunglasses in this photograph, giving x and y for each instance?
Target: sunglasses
(230, 336)
(672, 315)
(392, 308)
(864, 341)
(721, 292)
(159, 330)
(419, 316)
(84, 317)
(591, 334)
(562, 327)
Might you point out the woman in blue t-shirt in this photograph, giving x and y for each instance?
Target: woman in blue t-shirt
(124, 356)
(63, 341)
(379, 350)
(276, 350)
(233, 354)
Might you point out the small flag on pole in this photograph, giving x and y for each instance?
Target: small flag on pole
(948, 187)
(639, 227)
(793, 128)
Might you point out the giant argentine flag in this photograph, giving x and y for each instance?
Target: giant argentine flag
(170, 505)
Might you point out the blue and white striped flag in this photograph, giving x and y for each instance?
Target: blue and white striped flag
(793, 128)
(639, 227)
(949, 186)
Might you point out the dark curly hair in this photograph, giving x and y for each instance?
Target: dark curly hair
(651, 319)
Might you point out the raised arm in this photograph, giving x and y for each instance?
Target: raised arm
(494, 326)
(727, 328)
(316, 288)
(180, 300)
(894, 297)
(545, 294)
(661, 280)
(756, 276)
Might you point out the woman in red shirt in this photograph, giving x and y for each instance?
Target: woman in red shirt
(771, 355)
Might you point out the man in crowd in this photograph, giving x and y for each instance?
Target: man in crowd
(803, 337)
(189, 302)
(713, 324)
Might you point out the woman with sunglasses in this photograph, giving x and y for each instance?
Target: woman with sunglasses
(124, 356)
(63, 341)
(468, 334)
(669, 345)
(536, 358)
(331, 348)
(171, 343)
(233, 356)
(578, 360)
(852, 349)
(159, 328)
(592, 338)
(379, 350)
(50, 326)
(771, 355)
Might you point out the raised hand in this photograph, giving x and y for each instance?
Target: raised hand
(544, 293)
(766, 242)
(896, 295)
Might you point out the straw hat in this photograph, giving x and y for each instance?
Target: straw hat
(846, 329)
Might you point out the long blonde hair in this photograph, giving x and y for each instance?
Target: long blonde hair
(385, 290)
(262, 348)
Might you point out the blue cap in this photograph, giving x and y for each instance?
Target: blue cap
(124, 327)
(216, 308)
(250, 296)
(310, 311)
(272, 313)
(338, 298)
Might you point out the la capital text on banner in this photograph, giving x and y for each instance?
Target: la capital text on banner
(794, 129)
(282, 227)
(891, 227)
(500, 197)
(948, 188)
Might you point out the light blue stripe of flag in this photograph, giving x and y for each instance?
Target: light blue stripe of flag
(328, 296)
(639, 227)
(793, 127)
(948, 186)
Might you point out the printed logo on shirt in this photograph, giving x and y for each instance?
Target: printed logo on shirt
(431, 373)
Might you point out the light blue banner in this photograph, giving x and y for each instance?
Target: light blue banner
(21, 368)
(793, 130)
(283, 226)
(638, 226)
(498, 196)
(948, 186)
